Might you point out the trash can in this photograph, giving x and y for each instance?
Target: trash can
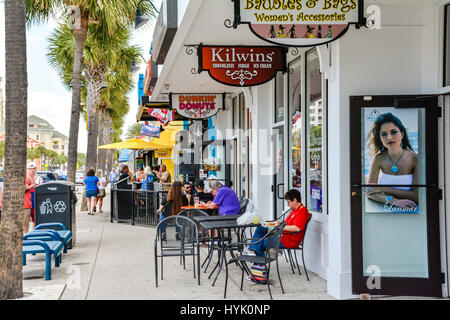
(54, 202)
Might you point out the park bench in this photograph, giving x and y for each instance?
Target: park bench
(66, 235)
(33, 246)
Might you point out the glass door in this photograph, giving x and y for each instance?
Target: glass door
(395, 196)
(278, 162)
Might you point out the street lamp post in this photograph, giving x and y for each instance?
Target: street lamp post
(134, 68)
(140, 20)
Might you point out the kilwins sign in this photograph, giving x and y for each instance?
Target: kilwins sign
(242, 66)
(299, 23)
(197, 106)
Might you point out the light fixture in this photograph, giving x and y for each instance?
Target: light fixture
(134, 68)
(140, 20)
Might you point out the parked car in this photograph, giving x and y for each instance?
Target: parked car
(79, 178)
(62, 175)
(47, 176)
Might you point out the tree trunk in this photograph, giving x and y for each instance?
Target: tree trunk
(95, 77)
(15, 151)
(80, 37)
(101, 141)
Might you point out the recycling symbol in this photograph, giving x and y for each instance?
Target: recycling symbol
(59, 206)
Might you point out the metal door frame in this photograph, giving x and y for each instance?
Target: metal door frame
(432, 286)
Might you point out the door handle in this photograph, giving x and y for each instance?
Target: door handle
(278, 191)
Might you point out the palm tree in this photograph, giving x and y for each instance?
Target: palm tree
(133, 131)
(107, 15)
(15, 150)
(106, 58)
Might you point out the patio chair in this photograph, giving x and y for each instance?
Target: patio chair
(243, 203)
(188, 245)
(300, 247)
(273, 244)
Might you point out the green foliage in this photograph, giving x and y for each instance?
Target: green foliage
(133, 131)
(81, 159)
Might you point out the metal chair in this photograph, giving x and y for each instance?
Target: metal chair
(187, 246)
(273, 244)
(243, 204)
(300, 247)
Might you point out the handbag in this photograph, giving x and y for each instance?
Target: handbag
(258, 273)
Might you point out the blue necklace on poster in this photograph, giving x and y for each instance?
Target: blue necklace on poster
(393, 159)
(299, 23)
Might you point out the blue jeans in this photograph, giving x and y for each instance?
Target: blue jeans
(260, 248)
(163, 226)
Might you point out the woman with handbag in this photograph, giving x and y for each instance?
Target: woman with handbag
(91, 183)
(101, 190)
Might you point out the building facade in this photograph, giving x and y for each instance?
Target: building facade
(308, 129)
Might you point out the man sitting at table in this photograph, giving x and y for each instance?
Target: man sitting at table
(293, 232)
(201, 194)
(188, 194)
(224, 199)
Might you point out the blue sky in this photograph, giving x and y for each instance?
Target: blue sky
(47, 98)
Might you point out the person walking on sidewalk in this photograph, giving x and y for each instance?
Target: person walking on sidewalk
(29, 185)
(91, 183)
(38, 180)
(112, 177)
(101, 190)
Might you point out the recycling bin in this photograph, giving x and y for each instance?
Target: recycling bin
(54, 202)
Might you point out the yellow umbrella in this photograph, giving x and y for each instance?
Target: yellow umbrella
(132, 144)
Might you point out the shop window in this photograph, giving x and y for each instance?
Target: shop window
(295, 118)
(314, 132)
(279, 98)
(447, 47)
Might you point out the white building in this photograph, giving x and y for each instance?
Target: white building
(321, 154)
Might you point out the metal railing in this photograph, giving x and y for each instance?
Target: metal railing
(135, 206)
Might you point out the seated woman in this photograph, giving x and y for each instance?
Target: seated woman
(295, 224)
(394, 163)
(173, 201)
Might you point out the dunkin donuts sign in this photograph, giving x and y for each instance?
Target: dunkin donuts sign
(242, 66)
(197, 106)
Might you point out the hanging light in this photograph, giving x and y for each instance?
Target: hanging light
(140, 20)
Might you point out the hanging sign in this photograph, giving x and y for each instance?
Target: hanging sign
(162, 115)
(163, 153)
(242, 66)
(197, 106)
(150, 130)
(299, 23)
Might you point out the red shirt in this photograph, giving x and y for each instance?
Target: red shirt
(297, 217)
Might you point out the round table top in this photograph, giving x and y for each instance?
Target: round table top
(193, 207)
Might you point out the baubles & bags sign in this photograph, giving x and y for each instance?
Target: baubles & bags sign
(298, 23)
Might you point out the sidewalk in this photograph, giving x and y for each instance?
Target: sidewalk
(115, 261)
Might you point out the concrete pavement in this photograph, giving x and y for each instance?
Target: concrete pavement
(115, 261)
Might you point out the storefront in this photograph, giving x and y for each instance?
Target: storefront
(300, 130)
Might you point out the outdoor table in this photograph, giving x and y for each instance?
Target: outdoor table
(215, 218)
(221, 225)
(193, 207)
(199, 219)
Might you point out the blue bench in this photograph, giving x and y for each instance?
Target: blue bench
(66, 235)
(33, 246)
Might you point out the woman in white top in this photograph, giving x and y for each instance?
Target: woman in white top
(101, 189)
(395, 163)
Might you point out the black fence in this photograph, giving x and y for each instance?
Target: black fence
(136, 206)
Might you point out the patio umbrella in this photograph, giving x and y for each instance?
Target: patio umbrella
(132, 144)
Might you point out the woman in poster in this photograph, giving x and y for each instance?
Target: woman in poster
(394, 163)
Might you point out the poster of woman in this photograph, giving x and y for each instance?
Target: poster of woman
(391, 159)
